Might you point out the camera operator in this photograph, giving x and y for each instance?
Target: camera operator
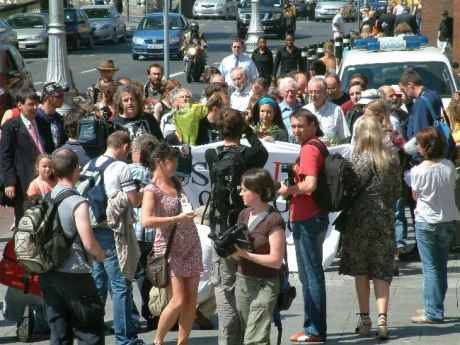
(236, 159)
(257, 280)
(309, 225)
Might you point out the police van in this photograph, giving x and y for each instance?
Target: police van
(384, 60)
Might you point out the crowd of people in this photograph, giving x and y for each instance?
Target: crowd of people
(128, 131)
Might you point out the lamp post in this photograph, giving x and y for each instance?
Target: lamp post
(58, 70)
(255, 27)
(166, 39)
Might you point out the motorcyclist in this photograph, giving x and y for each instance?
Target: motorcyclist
(194, 36)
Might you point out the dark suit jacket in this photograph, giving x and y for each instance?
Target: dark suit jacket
(44, 129)
(17, 155)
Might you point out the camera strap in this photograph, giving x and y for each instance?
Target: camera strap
(258, 219)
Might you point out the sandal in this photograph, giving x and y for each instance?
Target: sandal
(364, 325)
(382, 332)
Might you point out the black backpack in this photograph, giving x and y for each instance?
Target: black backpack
(39, 240)
(93, 132)
(226, 168)
(336, 185)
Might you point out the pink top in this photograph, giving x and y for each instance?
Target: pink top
(39, 187)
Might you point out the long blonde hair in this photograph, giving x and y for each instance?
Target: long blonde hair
(380, 109)
(370, 139)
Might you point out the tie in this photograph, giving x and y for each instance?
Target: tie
(34, 134)
(237, 61)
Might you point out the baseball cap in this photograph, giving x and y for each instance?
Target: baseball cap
(53, 89)
(367, 96)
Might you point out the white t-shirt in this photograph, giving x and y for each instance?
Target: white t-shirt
(434, 184)
(338, 26)
(117, 176)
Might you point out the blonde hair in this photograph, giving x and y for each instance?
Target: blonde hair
(453, 109)
(365, 31)
(380, 110)
(370, 136)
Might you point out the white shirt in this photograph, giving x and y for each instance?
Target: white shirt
(434, 185)
(239, 100)
(244, 61)
(338, 26)
(332, 122)
(167, 125)
(205, 288)
(398, 9)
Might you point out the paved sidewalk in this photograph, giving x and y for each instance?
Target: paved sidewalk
(406, 297)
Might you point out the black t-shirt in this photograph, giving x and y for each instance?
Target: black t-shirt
(341, 100)
(137, 126)
(207, 132)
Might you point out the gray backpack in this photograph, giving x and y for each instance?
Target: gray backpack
(39, 240)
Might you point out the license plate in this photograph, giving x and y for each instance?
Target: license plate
(154, 46)
(22, 45)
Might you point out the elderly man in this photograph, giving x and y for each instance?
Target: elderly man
(334, 89)
(240, 97)
(288, 88)
(398, 116)
(330, 116)
(238, 59)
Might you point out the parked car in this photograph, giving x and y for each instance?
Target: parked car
(13, 74)
(148, 39)
(7, 34)
(106, 22)
(271, 14)
(327, 9)
(78, 29)
(215, 8)
(32, 32)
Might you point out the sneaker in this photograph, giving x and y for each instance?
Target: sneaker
(310, 339)
(422, 319)
(295, 337)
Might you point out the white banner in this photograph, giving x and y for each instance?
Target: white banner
(198, 186)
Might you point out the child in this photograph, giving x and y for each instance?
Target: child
(142, 148)
(45, 181)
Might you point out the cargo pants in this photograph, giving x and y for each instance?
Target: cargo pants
(223, 277)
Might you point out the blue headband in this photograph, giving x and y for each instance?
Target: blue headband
(267, 100)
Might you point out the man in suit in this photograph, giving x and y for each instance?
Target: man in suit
(20, 146)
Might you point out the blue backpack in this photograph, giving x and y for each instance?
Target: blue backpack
(440, 122)
(92, 187)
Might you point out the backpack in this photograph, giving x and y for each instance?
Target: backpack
(93, 132)
(440, 123)
(225, 173)
(92, 187)
(336, 185)
(39, 240)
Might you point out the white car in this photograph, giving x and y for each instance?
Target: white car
(386, 68)
(106, 23)
(215, 8)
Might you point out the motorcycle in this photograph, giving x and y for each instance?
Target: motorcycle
(195, 61)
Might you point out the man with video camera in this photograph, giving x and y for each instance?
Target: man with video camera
(227, 163)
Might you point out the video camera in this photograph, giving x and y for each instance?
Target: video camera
(225, 241)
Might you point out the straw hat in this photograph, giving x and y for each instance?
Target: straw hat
(107, 65)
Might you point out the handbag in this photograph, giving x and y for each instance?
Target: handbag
(157, 268)
(287, 292)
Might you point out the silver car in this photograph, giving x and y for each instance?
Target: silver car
(7, 34)
(32, 31)
(327, 9)
(106, 22)
(215, 8)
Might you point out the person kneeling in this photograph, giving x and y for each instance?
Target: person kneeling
(257, 281)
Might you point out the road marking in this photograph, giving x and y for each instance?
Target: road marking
(39, 82)
(176, 74)
(88, 71)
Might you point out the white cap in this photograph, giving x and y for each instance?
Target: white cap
(367, 96)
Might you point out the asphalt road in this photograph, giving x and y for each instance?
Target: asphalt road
(218, 33)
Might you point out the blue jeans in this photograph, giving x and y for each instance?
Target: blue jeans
(308, 240)
(433, 242)
(400, 223)
(108, 272)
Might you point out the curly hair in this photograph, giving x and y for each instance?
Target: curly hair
(133, 91)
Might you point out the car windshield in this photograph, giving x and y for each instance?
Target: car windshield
(264, 3)
(70, 16)
(25, 22)
(156, 23)
(97, 13)
(435, 75)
